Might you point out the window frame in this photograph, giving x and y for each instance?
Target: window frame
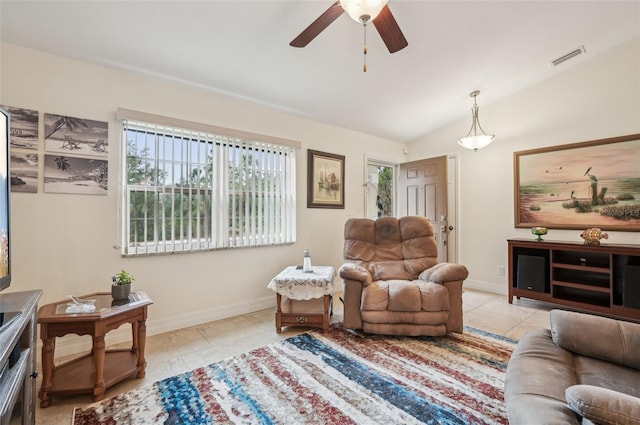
(269, 204)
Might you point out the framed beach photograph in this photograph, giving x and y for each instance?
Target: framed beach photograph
(77, 136)
(579, 185)
(68, 174)
(24, 127)
(325, 180)
(24, 172)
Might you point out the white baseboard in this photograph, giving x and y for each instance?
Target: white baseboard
(491, 287)
(74, 345)
(155, 327)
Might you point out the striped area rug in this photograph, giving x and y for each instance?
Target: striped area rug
(340, 377)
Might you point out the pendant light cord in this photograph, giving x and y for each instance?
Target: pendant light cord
(364, 50)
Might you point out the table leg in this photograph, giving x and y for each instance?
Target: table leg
(325, 316)
(278, 313)
(98, 357)
(141, 343)
(48, 350)
(134, 336)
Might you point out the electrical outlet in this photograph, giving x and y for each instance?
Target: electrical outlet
(500, 270)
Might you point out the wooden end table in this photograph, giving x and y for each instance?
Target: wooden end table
(100, 369)
(295, 284)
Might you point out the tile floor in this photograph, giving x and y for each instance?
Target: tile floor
(179, 351)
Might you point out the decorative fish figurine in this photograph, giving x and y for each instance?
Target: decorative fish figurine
(593, 235)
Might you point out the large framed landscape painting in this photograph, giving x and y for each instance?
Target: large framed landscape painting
(580, 185)
(325, 180)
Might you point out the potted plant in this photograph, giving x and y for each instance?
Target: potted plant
(121, 287)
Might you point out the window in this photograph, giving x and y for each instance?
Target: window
(189, 190)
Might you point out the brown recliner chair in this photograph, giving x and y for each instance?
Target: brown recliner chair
(393, 283)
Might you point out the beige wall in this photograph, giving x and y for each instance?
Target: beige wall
(64, 244)
(596, 99)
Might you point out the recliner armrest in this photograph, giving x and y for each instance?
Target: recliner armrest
(603, 406)
(356, 272)
(444, 272)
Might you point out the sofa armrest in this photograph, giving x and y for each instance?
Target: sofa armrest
(352, 271)
(599, 337)
(444, 272)
(603, 406)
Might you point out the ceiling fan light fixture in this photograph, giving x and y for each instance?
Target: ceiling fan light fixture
(363, 10)
(473, 140)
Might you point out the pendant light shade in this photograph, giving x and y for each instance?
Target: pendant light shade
(473, 139)
(363, 10)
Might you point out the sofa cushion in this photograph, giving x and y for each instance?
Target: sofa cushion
(435, 297)
(375, 296)
(603, 406)
(617, 341)
(590, 371)
(391, 248)
(405, 296)
(431, 318)
(388, 270)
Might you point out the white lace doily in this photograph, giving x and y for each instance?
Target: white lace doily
(298, 285)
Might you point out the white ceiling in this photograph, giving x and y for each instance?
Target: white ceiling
(242, 48)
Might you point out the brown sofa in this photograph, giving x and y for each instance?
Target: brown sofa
(586, 369)
(393, 283)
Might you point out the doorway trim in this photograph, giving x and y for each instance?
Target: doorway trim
(453, 201)
(372, 160)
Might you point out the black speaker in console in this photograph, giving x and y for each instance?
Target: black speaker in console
(531, 273)
(631, 286)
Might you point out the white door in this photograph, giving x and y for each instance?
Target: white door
(423, 191)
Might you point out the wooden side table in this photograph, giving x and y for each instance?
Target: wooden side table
(295, 284)
(100, 369)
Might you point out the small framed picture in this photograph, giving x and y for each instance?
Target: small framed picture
(325, 180)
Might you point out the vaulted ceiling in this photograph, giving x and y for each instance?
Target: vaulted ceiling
(241, 48)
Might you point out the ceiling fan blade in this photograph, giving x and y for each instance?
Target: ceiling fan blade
(318, 25)
(389, 30)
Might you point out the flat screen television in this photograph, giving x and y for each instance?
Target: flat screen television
(6, 317)
(5, 189)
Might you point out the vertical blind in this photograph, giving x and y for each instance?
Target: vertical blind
(189, 190)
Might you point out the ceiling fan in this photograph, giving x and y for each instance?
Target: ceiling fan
(363, 11)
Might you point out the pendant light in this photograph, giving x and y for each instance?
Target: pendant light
(473, 139)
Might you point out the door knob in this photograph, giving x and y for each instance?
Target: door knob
(450, 227)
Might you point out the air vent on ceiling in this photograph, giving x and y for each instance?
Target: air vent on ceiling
(568, 56)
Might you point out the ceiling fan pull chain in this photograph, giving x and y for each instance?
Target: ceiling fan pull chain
(364, 50)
